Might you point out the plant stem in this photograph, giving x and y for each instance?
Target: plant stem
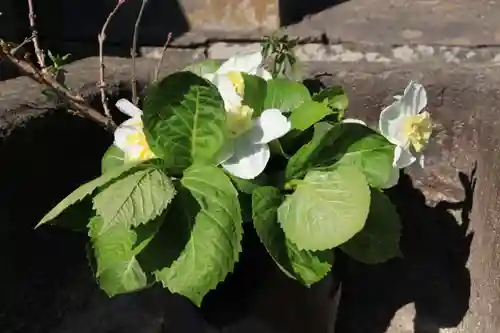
(101, 37)
(133, 51)
(36, 44)
(158, 65)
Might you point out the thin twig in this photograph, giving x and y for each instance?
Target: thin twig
(75, 101)
(101, 37)
(158, 65)
(25, 41)
(133, 51)
(36, 44)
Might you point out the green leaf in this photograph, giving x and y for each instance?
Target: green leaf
(215, 242)
(378, 241)
(307, 114)
(307, 156)
(135, 199)
(184, 120)
(326, 209)
(361, 146)
(113, 157)
(255, 93)
(303, 265)
(115, 251)
(84, 190)
(334, 97)
(285, 94)
(201, 68)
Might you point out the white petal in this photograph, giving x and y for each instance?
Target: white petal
(414, 99)
(391, 124)
(127, 128)
(247, 63)
(393, 180)
(227, 92)
(226, 152)
(126, 107)
(353, 121)
(249, 159)
(403, 157)
(271, 125)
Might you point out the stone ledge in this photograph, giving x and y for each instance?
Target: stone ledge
(465, 104)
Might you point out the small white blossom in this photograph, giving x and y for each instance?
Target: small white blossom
(129, 136)
(406, 124)
(246, 154)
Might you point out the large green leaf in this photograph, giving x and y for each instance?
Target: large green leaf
(216, 233)
(326, 209)
(203, 67)
(307, 156)
(115, 251)
(345, 143)
(307, 114)
(113, 157)
(361, 146)
(184, 120)
(285, 94)
(254, 94)
(135, 199)
(302, 265)
(85, 190)
(378, 241)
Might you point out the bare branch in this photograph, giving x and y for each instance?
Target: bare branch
(18, 47)
(101, 37)
(133, 51)
(36, 44)
(45, 78)
(158, 65)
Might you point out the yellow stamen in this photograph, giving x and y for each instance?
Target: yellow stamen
(139, 139)
(238, 82)
(418, 129)
(239, 120)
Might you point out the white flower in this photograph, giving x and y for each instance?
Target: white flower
(129, 136)
(247, 153)
(229, 80)
(405, 124)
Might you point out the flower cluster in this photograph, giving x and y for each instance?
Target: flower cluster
(405, 123)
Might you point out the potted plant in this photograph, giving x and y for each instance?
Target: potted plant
(219, 151)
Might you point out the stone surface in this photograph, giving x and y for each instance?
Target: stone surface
(448, 280)
(231, 16)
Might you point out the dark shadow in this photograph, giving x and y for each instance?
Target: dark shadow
(72, 26)
(47, 159)
(432, 274)
(294, 11)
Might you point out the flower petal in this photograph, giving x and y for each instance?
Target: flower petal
(226, 152)
(247, 63)
(414, 99)
(249, 159)
(353, 121)
(391, 124)
(393, 180)
(271, 125)
(227, 92)
(403, 157)
(126, 107)
(127, 128)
